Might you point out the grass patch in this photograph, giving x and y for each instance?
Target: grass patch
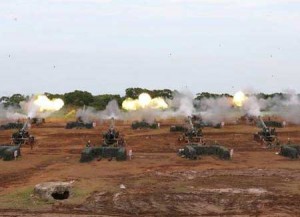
(83, 189)
(22, 199)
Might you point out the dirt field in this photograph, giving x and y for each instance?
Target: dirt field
(256, 182)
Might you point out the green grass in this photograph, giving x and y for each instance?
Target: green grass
(22, 199)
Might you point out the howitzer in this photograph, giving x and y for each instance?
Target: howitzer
(267, 135)
(112, 136)
(22, 136)
(192, 134)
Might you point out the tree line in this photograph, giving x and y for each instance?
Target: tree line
(80, 98)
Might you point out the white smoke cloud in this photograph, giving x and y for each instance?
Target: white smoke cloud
(112, 110)
(252, 106)
(183, 104)
(288, 108)
(33, 109)
(213, 110)
(217, 110)
(11, 113)
(30, 108)
(180, 106)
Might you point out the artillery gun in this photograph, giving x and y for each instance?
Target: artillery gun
(112, 136)
(266, 135)
(192, 134)
(22, 136)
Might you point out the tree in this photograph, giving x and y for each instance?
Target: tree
(4, 99)
(165, 93)
(211, 95)
(54, 96)
(101, 101)
(14, 100)
(78, 98)
(135, 92)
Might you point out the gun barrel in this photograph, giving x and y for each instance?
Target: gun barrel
(112, 123)
(25, 126)
(191, 122)
(262, 123)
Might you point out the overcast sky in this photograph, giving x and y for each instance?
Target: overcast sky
(105, 46)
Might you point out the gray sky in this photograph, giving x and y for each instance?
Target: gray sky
(105, 46)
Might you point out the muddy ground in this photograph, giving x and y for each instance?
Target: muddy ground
(256, 182)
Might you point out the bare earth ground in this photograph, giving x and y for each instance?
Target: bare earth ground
(256, 182)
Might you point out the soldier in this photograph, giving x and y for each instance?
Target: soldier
(273, 131)
(130, 154)
(15, 154)
(111, 133)
(31, 145)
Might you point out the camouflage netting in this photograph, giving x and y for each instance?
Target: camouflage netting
(177, 128)
(10, 126)
(271, 124)
(7, 152)
(87, 154)
(291, 151)
(192, 151)
(143, 125)
(297, 147)
(206, 124)
(37, 121)
(189, 152)
(90, 153)
(79, 125)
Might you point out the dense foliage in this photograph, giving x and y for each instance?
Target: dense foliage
(14, 100)
(211, 95)
(135, 92)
